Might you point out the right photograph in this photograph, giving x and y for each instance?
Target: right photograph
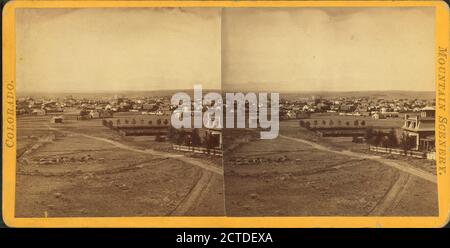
(356, 111)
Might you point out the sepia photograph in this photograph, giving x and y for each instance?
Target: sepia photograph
(93, 112)
(347, 95)
(357, 111)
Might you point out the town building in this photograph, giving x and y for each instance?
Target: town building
(378, 116)
(38, 112)
(57, 119)
(100, 114)
(140, 125)
(422, 128)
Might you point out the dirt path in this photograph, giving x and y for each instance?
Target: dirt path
(197, 191)
(194, 195)
(392, 196)
(192, 161)
(392, 163)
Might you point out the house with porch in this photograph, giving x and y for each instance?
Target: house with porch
(422, 128)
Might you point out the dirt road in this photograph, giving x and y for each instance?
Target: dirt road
(392, 163)
(192, 161)
(393, 195)
(197, 192)
(194, 195)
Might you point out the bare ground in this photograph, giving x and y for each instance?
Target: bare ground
(292, 176)
(96, 175)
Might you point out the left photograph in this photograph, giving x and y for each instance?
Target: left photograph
(94, 133)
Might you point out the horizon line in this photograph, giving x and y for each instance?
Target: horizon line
(210, 89)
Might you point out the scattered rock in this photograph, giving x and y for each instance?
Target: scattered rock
(124, 187)
(25, 161)
(247, 207)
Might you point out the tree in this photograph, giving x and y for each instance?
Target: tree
(370, 133)
(392, 139)
(181, 137)
(407, 142)
(195, 138)
(209, 141)
(302, 123)
(307, 124)
(172, 134)
(158, 138)
(385, 142)
(357, 139)
(378, 139)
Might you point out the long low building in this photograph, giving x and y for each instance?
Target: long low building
(136, 125)
(333, 124)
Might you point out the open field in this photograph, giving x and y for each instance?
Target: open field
(80, 168)
(301, 174)
(291, 128)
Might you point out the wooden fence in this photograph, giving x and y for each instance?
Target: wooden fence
(415, 154)
(215, 152)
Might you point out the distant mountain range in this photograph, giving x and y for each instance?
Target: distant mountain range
(394, 94)
(375, 94)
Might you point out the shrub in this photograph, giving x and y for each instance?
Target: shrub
(407, 142)
(308, 124)
(302, 123)
(391, 139)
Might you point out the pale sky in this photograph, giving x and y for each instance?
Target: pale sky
(78, 50)
(293, 49)
(328, 49)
